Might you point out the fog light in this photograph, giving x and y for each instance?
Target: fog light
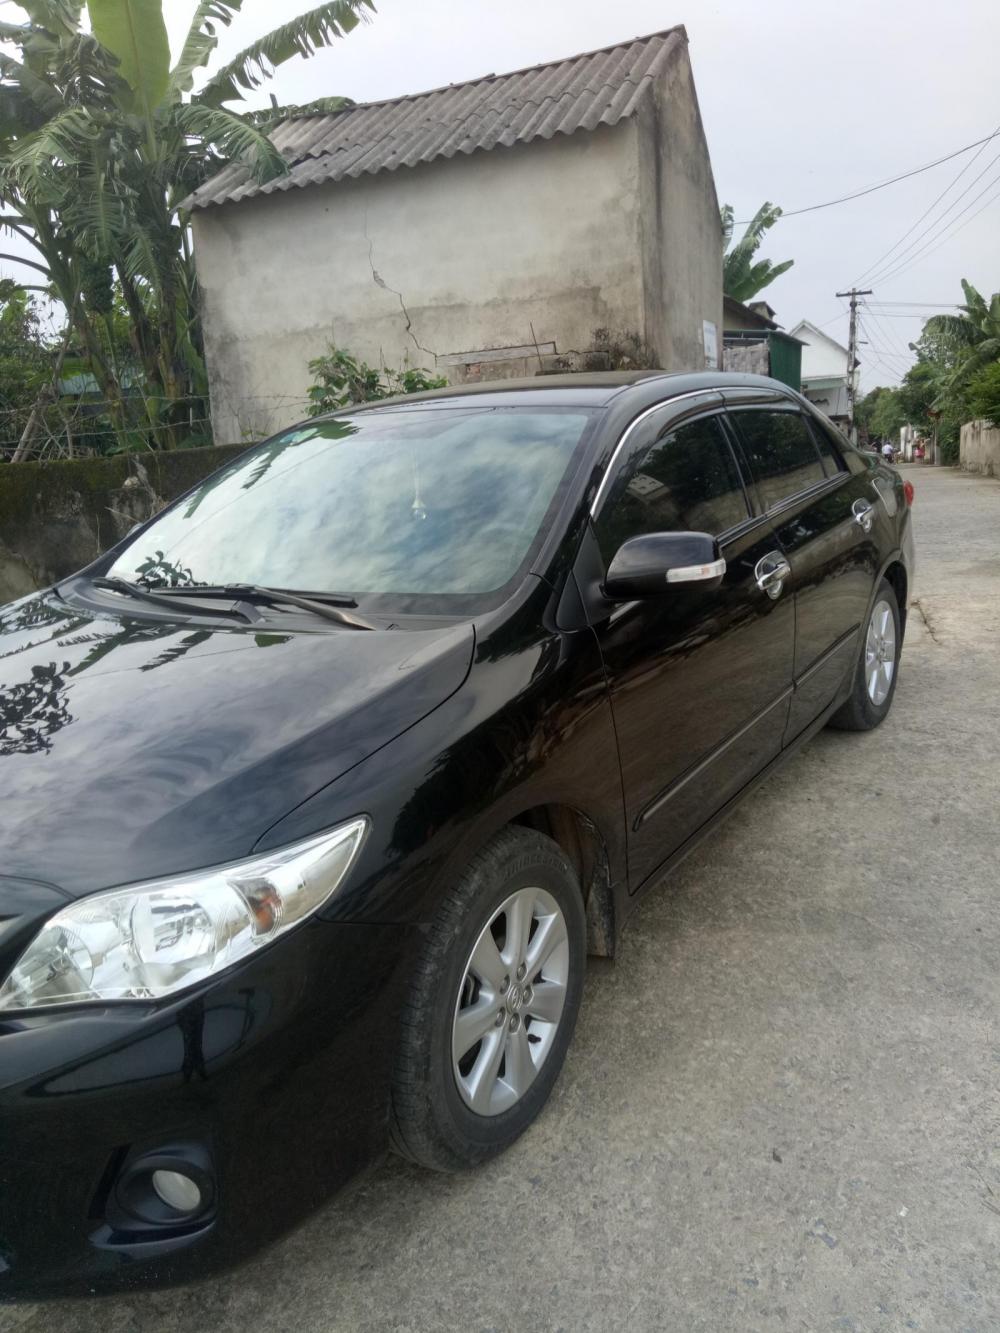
(177, 1191)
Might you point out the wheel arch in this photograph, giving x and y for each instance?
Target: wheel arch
(581, 841)
(896, 576)
(587, 847)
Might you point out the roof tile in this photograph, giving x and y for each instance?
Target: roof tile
(579, 93)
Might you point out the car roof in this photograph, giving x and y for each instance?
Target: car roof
(585, 389)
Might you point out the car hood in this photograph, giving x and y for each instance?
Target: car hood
(132, 747)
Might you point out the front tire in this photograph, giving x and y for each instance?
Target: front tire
(492, 1006)
(878, 667)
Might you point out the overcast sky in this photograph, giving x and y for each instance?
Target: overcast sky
(802, 102)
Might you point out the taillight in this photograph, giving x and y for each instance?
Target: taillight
(908, 491)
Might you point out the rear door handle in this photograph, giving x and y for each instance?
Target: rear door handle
(770, 571)
(864, 514)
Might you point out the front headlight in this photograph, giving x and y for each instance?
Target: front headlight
(152, 939)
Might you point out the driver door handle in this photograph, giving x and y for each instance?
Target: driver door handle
(770, 571)
(864, 514)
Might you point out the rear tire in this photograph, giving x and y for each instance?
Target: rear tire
(877, 669)
(492, 1005)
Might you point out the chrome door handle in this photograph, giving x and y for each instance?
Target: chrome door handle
(864, 514)
(770, 571)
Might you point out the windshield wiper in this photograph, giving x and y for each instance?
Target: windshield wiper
(114, 584)
(329, 607)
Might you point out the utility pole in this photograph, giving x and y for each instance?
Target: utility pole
(852, 356)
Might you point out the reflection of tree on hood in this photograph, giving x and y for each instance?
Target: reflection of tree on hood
(39, 619)
(33, 711)
(36, 613)
(131, 631)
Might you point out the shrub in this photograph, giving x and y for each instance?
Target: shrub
(341, 379)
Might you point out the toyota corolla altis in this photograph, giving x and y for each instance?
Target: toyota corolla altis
(316, 791)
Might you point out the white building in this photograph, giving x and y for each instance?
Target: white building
(824, 370)
(480, 231)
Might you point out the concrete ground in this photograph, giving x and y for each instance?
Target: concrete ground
(781, 1107)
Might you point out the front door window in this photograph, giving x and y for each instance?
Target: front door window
(687, 481)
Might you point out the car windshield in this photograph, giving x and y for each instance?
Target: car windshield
(405, 506)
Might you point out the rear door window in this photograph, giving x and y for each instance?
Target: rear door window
(829, 450)
(781, 452)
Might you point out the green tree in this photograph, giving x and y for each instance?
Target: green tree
(917, 394)
(101, 140)
(25, 362)
(742, 278)
(984, 394)
(957, 348)
(880, 413)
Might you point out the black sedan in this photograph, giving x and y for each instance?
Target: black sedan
(318, 789)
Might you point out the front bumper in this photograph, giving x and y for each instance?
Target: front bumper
(277, 1075)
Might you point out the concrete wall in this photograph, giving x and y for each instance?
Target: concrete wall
(680, 232)
(447, 257)
(748, 358)
(829, 397)
(979, 448)
(57, 517)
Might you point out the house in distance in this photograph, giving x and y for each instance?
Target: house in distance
(754, 342)
(824, 371)
(482, 231)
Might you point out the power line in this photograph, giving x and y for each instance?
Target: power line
(840, 315)
(889, 336)
(890, 333)
(940, 221)
(922, 305)
(941, 238)
(931, 208)
(992, 200)
(884, 351)
(795, 212)
(892, 350)
(879, 354)
(901, 314)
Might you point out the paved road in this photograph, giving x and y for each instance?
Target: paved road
(781, 1109)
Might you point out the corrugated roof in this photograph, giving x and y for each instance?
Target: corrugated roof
(579, 93)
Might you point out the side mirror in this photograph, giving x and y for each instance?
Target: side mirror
(647, 566)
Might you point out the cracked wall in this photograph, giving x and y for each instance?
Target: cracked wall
(536, 244)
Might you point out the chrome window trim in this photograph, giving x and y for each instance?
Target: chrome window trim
(810, 493)
(633, 425)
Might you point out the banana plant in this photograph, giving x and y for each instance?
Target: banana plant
(975, 333)
(102, 138)
(741, 277)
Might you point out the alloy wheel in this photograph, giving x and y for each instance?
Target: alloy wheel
(510, 1001)
(880, 653)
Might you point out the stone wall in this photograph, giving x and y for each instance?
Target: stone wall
(979, 448)
(57, 517)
